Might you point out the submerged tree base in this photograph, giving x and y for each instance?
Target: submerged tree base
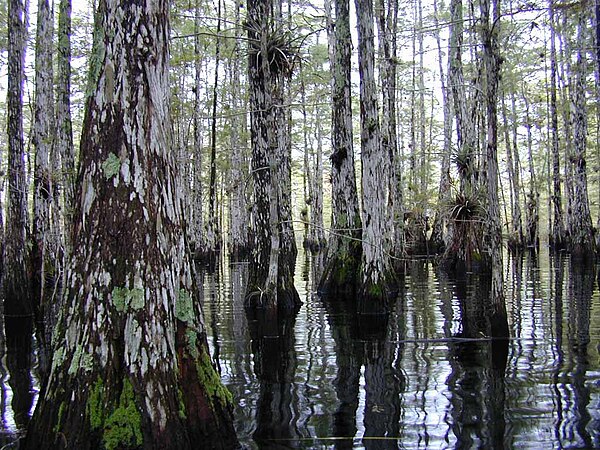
(341, 275)
(376, 298)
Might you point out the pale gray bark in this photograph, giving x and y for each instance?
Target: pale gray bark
(532, 240)
(64, 127)
(581, 237)
(238, 207)
(558, 232)
(376, 269)
(198, 236)
(341, 273)
(440, 227)
(15, 282)
(490, 23)
(45, 256)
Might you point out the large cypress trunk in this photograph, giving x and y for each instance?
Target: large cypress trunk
(493, 233)
(45, 256)
(15, 282)
(377, 281)
(581, 239)
(270, 283)
(131, 367)
(341, 273)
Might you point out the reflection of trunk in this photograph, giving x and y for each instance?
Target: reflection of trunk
(273, 346)
(18, 362)
(581, 288)
(341, 274)
(366, 340)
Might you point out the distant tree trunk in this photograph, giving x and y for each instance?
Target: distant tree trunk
(239, 211)
(131, 367)
(64, 126)
(515, 240)
(377, 281)
(342, 268)
(466, 210)
(532, 215)
(17, 300)
(558, 232)
(45, 246)
(491, 62)
(581, 239)
(316, 236)
(387, 28)
(270, 283)
(440, 223)
(566, 72)
(198, 238)
(213, 235)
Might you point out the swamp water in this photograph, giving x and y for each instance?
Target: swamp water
(420, 378)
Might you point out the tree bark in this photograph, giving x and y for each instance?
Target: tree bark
(342, 268)
(377, 280)
(558, 232)
(270, 282)
(581, 238)
(45, 248)
(532, 215)
(238, 211)
(491, 62)
(198, 237)
(131, 367)
(17, 299)
(441, 223)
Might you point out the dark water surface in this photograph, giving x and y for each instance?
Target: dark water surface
(422, 378)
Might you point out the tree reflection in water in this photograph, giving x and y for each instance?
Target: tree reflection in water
(424, 376)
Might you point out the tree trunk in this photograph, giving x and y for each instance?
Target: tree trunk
(582, 239)
(464, 247)
(558, 232)
(238, 212)
(270, 282)
(316, 236)
(341, 273)
(131, 367)
(387, 29)
(515, 240)
(441, 223)
(532, 215)
(377, 281)
(45, 257)
(213, 236)
(198, 237)
(64, 127)
(17, 300)
(491, 62)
